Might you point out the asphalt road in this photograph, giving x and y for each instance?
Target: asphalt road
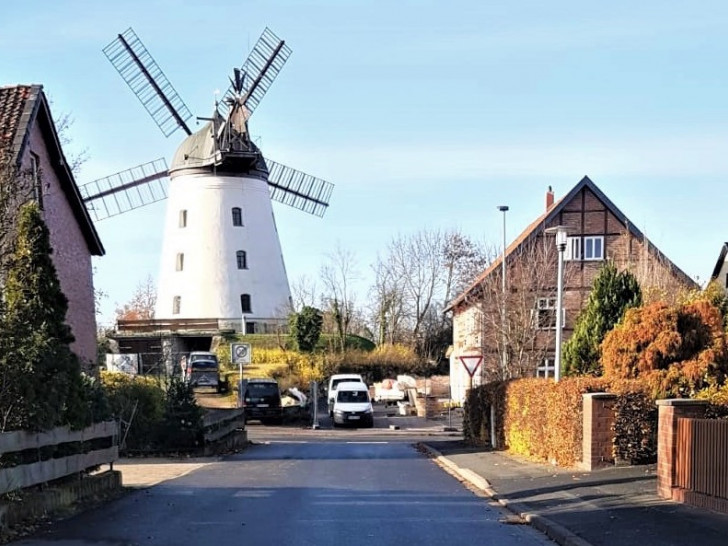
(342, 491)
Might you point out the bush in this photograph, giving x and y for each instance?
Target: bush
(181, 428)
(677, 350)
(635, 428)
(476, 413)
(139, 402)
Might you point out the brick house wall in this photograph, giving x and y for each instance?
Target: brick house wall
(30, 142)
(70, 252)
(585, 213)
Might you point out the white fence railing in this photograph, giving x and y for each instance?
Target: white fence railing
(26, 475)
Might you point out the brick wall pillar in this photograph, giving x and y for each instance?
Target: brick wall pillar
(598, 420)
(669, 412)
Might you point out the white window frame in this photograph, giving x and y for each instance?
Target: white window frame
(546, 369)
(547, 304)
(592, 256)
(180, 265)
(183, 218)
(176, 305)
(573, 248)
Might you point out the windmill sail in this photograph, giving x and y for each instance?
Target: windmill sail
(298, 189)
(260, 69)
(126, 190)
(143, 75)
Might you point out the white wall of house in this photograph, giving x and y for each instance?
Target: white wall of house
(466, 341)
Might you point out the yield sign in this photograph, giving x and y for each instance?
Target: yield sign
(471, 363)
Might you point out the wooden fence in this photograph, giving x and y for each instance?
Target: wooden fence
(20, 445)
(701, 457)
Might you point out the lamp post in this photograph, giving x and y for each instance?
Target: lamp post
(561, 233)
(504, 355)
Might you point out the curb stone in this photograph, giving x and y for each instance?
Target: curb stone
(551, 529)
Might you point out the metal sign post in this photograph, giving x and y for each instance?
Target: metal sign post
(240, 354)
(314, 397)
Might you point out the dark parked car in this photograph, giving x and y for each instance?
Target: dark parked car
(262, 401)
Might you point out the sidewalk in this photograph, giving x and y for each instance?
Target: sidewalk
(146, 472)
(611, 506)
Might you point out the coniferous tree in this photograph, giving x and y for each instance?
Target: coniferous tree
(305, 327)
(612, 293)
(38, 368)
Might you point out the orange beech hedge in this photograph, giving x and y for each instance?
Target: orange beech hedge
(542, 420)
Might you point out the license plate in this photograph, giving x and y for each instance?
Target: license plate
(353, 417)
(263, 405)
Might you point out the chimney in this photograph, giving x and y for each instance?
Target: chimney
(549, 198)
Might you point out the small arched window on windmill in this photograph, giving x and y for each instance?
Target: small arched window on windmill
(242, 259)
(237, 216)
(176, 303)
(245, 303)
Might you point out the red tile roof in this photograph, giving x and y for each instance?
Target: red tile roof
(21, 108)
(17, 105)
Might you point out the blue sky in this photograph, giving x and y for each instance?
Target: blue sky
(423, 114)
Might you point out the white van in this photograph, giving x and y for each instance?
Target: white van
(353, 405)
(334, 381)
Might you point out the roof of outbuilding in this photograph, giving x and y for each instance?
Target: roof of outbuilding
(21, 106)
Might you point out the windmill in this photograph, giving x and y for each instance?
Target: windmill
(221, 257)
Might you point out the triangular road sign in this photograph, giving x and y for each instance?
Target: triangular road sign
(471, 363)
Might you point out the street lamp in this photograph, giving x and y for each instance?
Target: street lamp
(561, 233)
(504, 355)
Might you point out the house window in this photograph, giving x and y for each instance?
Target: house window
(545, 314)
(35, 175)
(546, 369)
(176, 302)
(237, 216)
(573, 248)
(180, 261)
(245, 303)
(242, 259)
(594, 248)
(183, 218)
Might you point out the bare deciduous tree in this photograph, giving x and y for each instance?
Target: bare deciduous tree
(530, 315)
(304, 293)
(141, 305)
(387, 306)
(338, 275)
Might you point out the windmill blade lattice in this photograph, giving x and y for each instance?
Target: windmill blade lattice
(260, 69)
(298, 189)
(143, 75)
(126, 190)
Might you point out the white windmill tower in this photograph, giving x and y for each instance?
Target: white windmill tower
(221, 257)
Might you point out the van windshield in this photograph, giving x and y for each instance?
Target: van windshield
(352, 396)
